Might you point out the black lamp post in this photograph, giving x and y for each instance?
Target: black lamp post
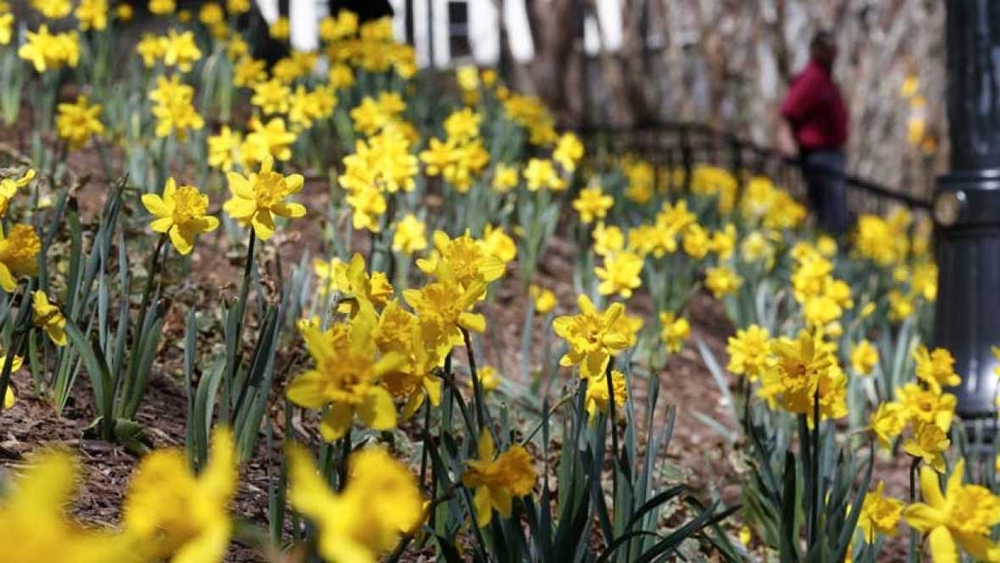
(967, 210)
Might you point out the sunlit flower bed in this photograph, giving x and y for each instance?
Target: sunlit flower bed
(435, 196)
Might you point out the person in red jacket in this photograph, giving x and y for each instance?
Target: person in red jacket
(815, 119)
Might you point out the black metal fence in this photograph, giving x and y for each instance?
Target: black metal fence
(683, 145)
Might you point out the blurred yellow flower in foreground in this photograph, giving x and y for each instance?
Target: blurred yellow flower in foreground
(260, 197)
(6, 28)
(960, 516)
(176, 514)
(380, 502)
(498, 481)
(181, 213)
(33, 523)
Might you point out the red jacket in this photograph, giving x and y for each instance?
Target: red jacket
(816, 110)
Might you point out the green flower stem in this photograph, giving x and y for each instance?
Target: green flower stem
(482, 416)
(817, 490)
(614, 431)
(235, 353)
(345, 454)
(914, 555)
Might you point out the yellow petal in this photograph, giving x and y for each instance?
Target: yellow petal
(378, 410)
(923, 517)
(308, 492)
(263, 224)
(943, 548)
(484, 506)
(155, 205)
(290, 210)
(336, 422)
(306, 390)
(240, 186)
(930, 488)
(7, 281)
(180, 242)
(162, 224)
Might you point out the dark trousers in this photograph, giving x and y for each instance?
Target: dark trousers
(824, 174)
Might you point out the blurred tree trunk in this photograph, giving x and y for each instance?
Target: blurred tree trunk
(554, 72)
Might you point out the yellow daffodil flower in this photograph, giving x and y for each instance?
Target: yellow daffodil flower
(592, 204)
(46, 51)
(34, 526)
(346, 377)
(498, 481)
(260, 197)
(879, 514)
(177, 514)
(749, 352)
(936, 368)
(19, 250)
(961, 516)
(410, 236)
(545, 299)
(9, 187)
(77, 123)
(888, 422)
(594, 336)
(928, 443)
(864, 357)
(674, 332)
(722, 281)
(92, 14)
(181, 213)
(620, 275)
(379, 503)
